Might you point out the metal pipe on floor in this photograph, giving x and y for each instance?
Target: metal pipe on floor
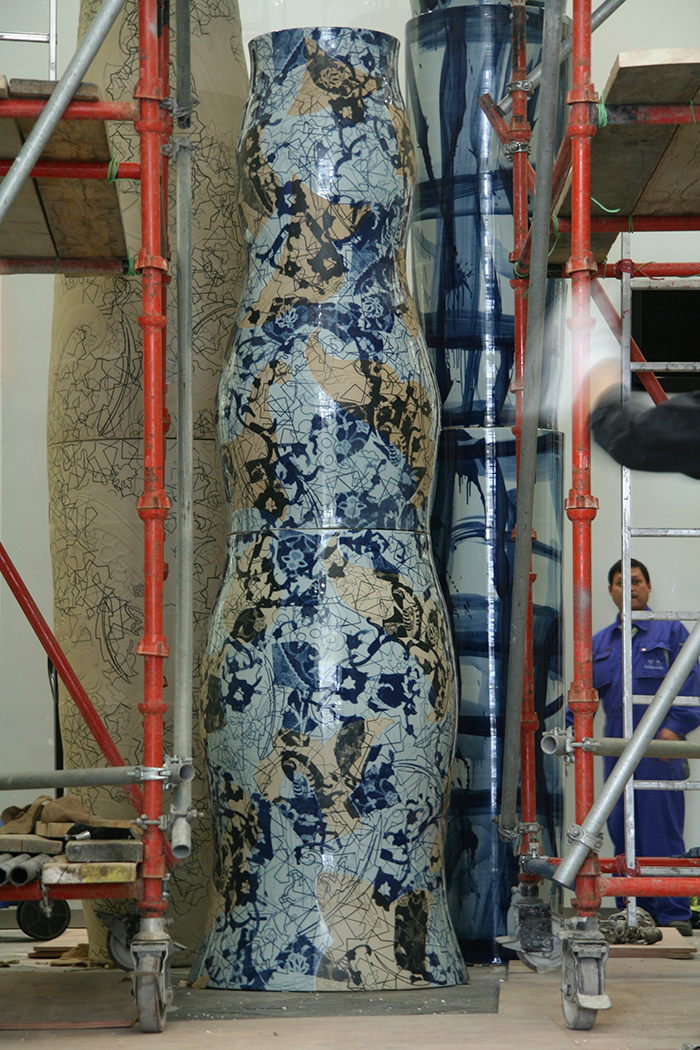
(597, 18)
(53, 111)
(507, 822)
(635, 750)
(181, 835)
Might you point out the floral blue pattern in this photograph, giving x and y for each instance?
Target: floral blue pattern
(329, 702)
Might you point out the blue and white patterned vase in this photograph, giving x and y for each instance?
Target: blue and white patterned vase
(462, 236)
(474, 517)
(462, 229)
(329, 704)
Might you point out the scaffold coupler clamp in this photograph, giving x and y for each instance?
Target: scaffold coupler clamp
(516, 146)
(507, 834)
(532, 829)
(520, 85)
(576, 833)
(559, 742)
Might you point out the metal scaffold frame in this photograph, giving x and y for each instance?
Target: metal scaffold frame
(152, 116)
(584, 950)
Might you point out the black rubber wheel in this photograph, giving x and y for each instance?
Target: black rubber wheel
(33, 920)
(119, 953)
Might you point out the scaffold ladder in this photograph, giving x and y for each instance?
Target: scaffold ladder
(628, 532)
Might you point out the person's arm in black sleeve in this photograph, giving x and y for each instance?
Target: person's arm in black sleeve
(665, 437)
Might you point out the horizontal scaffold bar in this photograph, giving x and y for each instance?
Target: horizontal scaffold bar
(28, 108)
(656, 749)
(174, 772)
(75, 267)
(77, 169)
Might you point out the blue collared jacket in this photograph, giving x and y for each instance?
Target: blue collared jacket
(655, 645)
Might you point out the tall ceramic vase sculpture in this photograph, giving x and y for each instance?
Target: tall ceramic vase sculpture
(94, 438)
(329, 700)
(462, 236)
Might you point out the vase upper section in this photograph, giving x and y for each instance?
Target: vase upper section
(325, 166)
(327, 410)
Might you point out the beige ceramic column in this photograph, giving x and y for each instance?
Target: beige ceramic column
(94, 433)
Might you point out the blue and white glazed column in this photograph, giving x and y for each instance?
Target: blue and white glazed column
(329, 703)
(474, 519)
(462, 235)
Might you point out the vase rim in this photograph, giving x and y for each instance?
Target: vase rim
(323, 30)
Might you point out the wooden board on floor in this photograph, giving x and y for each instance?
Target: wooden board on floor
(671, 946)
(645, 169)
(51, 999)
(68, 218)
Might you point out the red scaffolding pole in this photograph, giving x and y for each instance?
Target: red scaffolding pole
(598, 877)
(153, 123)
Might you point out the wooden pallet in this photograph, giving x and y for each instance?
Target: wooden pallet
(61, 218)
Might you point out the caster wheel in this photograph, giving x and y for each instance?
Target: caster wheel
(147, 984)
(577, 1017)
(151, 1010)
(33, 920)
(119, 953)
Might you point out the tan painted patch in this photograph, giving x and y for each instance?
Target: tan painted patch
(258, 185)
(373, 392)
(388, 601)
(366, 952)
(328, 82)
(254, 597)
(240, 837)
(407, 158)
(310, 269)
(407, 309)
(333, 768)
(250, 458)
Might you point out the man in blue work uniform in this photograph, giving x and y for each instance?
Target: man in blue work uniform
(658, 815)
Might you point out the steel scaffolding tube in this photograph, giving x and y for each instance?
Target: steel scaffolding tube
(54, 108)
(567, 45)
(636, 747)
(507, 821)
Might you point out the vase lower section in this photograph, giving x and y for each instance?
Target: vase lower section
(330, 714)
(474, 519)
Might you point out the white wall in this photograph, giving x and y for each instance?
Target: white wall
(26, 728)
(26, 711)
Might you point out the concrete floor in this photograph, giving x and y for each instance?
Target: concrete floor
(656, 1006)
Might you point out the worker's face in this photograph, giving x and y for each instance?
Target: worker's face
(640, 590)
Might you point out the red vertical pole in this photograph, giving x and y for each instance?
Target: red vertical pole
(581, 506)
(153, 505)
(520, 132)
(164, 73)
